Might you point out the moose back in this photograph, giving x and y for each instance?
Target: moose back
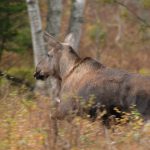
(87, 86)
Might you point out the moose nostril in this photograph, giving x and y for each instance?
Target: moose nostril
(40, 75)
(36, 74)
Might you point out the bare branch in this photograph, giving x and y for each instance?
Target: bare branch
(131, 11)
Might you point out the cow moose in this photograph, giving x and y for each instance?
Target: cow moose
(84, 79)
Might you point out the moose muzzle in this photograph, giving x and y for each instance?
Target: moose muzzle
(39, 75)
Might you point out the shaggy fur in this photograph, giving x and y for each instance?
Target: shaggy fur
(87, 86)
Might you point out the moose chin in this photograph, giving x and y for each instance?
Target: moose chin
(84, 79)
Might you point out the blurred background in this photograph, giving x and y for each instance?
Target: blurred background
(115, 32)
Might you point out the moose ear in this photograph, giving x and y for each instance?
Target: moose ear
(51, 41)
(71, 40)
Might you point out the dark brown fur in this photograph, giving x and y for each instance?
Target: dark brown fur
(83, 80)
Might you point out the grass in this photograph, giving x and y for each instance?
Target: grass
(25, 123)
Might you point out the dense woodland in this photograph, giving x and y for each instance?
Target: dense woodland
(115, 32)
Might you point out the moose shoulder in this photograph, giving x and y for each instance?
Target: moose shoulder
(87, 81)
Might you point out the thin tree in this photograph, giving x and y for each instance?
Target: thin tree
(37, 35)
(76, 20)
(54, 16)
(53, 27)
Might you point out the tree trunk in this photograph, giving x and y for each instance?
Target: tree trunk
(37, 35)
(54, 16)
(53, 27)
(36, 29)
(76, 20)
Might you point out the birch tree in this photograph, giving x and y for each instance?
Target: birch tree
(54, 24)
(76, 20)
(53, 27)
(36, 31)
(54, 16)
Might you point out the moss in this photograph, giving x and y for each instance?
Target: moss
(22, 73)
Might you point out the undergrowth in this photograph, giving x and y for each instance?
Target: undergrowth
(25, 123)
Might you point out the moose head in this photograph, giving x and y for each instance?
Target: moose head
(50, 64)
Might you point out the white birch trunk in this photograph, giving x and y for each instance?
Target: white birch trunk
(54, 16)
(36, 29)
(53, 27)
(76, 20)
(37, 35)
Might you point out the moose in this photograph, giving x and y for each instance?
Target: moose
(87, 81)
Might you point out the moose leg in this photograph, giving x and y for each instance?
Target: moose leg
(54, 125)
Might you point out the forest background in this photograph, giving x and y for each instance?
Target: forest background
(117, 33)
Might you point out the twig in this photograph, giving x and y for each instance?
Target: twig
(130, 10)
(16, 80)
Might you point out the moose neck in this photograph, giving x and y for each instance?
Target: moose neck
(67, 62)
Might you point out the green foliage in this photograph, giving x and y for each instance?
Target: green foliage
(3, 81)
(135, 113)
(144, 71)
(23, 73)
(124, 13)
(22, 41)
(13, 24)
(145, 3)
(97, 33)
(29, 104)
(143, 28)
